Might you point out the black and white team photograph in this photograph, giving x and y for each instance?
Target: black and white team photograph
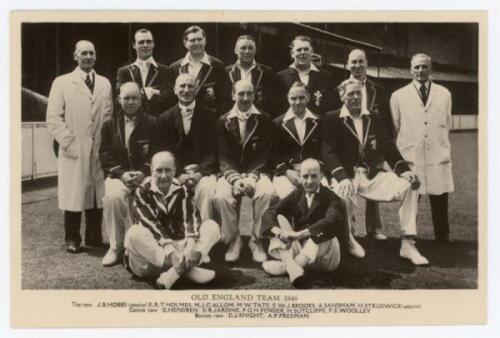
(249, 155)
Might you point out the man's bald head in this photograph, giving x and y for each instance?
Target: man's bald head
(243, 95)
(129, 87)
(130, 98)
(310, 175)
(163, 170)
(242, 85)
(162, 157)
(310, 163)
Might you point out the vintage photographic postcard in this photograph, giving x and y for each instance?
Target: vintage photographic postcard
(60, 281)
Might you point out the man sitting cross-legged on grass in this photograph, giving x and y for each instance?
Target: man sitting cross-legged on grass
(305, 225)
(170, 241)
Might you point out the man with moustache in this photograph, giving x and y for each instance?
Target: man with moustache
(188, 131)
(304, 227)
(79, 103)
(374, 99)
(244, 143)
(168, 242)
(422, 118)
(124, 155)
(152, 77)
(319, 83)
(354, 142)
(212, 86)
(261, 76)
(297, 135)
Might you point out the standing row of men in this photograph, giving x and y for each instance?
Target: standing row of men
(221, 153)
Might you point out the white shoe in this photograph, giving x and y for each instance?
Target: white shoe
(274, 268)
(258, 254)
(167, 279)
(379, 236)
(111, 257)
(355, 248)
(205, 260)
(233, 252)
(409, 251)
(200, 275)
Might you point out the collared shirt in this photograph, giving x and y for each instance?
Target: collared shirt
(143, 66)
(304, 75)
(83, 74)
(300, 123)
(418, 85)
(358, 121)
(129, 128)
(246, 74)
(174, 186)
(187, 116)
(364, 98)
(194, 68)
(310, 197)
(242, 119)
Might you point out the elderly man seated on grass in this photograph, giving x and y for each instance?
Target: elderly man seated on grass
(305, 225)
(170, 241)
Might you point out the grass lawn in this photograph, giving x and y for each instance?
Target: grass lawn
(46, 265)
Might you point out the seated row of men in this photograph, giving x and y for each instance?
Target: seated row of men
(222, 154)
(251, 153)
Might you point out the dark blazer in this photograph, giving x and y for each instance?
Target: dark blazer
(324, 219)
(377, 102)
(287, 148)
(264, 83)
(157, 78)
(197, 147)
(114, 156)
(212, 90)
(321, 89)
(254, 154)
(342, 151)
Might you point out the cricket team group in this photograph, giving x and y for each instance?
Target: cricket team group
(188, 146)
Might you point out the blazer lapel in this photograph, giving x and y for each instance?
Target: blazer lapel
(311, 125)
(234, 74)
(302, 205)
(289, 126)
(313, 77)
(233, 128)
(178, 121)
(203, 76)
(121, 130)
(314, 205)
(257, 73)
(371, 94)
(252, 124)
(350, 126)
(135, 75)
(366, 128)
(152, 73)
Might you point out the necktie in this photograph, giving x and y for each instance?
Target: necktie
(89, 83)
(423, 94)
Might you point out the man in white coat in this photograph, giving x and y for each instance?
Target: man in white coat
(79, 102)
(422, 116)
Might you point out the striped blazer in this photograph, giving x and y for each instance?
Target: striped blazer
(170, 216)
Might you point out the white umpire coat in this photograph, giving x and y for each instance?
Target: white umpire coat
(423, 135)
(74, 118)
